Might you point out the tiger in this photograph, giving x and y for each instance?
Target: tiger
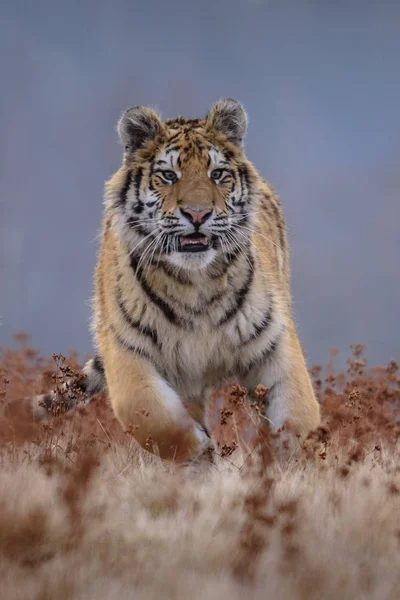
(192, 285)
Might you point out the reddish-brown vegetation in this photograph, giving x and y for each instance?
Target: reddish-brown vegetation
(85, 514)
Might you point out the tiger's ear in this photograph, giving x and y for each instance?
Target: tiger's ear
(137, 126)
(229, 117)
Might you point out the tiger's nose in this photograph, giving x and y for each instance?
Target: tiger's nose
(196, 216)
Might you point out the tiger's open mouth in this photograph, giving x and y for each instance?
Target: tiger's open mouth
(194, 242)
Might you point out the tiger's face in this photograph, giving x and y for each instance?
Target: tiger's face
(189, 192)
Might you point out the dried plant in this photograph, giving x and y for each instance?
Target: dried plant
(85, 513)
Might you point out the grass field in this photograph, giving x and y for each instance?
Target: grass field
(85, 514)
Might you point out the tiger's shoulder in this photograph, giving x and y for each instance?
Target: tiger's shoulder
(270, 240)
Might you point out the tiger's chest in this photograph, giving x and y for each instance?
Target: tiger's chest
(197, 359)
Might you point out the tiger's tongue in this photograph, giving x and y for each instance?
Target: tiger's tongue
(195, 238)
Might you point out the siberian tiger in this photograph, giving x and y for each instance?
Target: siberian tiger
(192, 284)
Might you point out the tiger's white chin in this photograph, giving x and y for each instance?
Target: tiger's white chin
(192, 261)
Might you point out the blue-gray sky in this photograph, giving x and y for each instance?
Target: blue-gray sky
(320, 80)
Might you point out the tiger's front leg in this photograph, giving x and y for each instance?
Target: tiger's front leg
(290, 402)
(150, 408)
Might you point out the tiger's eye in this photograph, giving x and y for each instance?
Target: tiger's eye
(216, 174)
(169, 175)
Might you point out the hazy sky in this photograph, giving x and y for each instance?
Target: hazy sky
(320, 80)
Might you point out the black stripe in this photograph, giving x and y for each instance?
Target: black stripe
(138, 208)
(130, 347)
(240, 296)
(244, 172)
(278, 220)
(98, 364)
(206, 305)
(159, 179)
(83, 386)
(171, 272)
(165, 308)
(138, 181)
(266, 354)
(87, 385)
(136, 324)
(261, 327)
(245, 190)
(123, 196)
(172, 149)
(176, 121)
(198, 145)
(230, 259)
(174, 137)
(151, 171)
(243, 181)
(135, 223)
(204, 428)
(241, 222)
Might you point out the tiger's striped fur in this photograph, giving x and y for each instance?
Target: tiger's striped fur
(171, 324)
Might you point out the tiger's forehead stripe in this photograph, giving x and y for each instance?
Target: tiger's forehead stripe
(190, 142)
(168, 158)
(217, 157)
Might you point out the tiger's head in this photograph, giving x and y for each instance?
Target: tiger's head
(186, 190)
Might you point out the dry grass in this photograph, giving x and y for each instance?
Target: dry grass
(85, 514)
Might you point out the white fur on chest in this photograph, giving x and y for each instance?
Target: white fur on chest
(208, 354)
(197, 358)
